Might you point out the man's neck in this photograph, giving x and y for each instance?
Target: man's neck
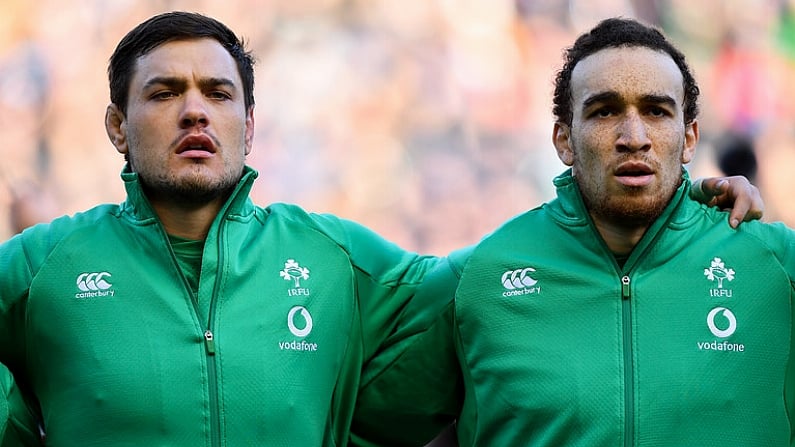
(620, 239)
(189, 222)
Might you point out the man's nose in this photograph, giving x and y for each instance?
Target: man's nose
(633, 134)
(194, 111)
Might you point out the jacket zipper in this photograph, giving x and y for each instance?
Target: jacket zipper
(212, 378)
(629, 387)
(212, 383)
(209, 339)
(209, 344)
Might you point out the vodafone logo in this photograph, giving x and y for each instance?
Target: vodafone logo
(724, 327)
(306, 324)
(728, 315)
(299, 317)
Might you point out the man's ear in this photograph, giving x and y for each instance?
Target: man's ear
(249, 129)
(691, 141)
(561, 138)
(115, 124)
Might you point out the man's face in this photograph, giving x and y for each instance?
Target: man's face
(186, 131)
(627, 140)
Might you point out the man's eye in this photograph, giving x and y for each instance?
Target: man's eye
(603, 112)
(658, 112)
(220, 95)
(164, 95)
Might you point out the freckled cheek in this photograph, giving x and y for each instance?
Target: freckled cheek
(666, 133)
(596, 150)
(669, 143)
(597, 135)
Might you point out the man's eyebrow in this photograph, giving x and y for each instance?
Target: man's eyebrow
(206, 83)
(609, 96)
(169, 81)
(659, 99)
(181, 84)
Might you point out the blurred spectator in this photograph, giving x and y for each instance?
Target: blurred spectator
(736, 155)
(785, 37)
(30, 204)
(775, 148)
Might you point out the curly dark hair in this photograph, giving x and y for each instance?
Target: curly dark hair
(168, 27)
(614, 33)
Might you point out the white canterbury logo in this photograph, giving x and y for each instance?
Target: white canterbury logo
(519, 282)
(93, 281)
(94, 285)
(518, 279)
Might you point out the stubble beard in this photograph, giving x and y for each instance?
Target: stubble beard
(630, 210)
(189, 190)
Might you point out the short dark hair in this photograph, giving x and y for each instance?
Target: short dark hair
(614, 33)
(168, 27)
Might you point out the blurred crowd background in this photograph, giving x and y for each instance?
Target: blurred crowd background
(427, 120)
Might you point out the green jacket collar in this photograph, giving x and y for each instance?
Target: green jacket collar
(138, 206)
(569, 209)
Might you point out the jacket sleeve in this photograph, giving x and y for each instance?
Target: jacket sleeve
(386, 278)
(15, 282)
(780, 240)
(19, 427)
(412, 390)
(17, 424)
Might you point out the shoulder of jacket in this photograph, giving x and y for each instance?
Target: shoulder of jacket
(67, 224)
(295, 214)
(524, 224)
(39, 240)
(458, 259)
(777, 236)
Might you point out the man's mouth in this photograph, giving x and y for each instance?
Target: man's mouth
(196, 146)
(634, 174)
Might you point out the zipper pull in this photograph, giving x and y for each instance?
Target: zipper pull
(209, 342)
(625, 287)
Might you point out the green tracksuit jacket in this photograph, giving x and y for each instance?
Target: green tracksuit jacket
(689, 343)
(99, 324)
